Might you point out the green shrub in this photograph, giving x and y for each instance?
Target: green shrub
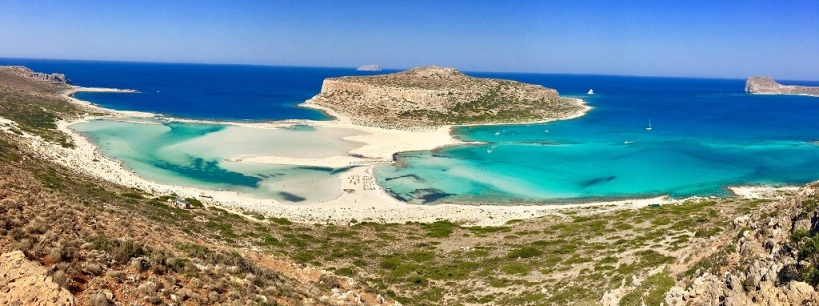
(809, 248)
(390, 262)
(281, 221)
(132, 195)
(440, 229)
(120, 250)
(524, 252)
(799, 234)
(421, 256)
(345, 271)
(516, 268)
(484, 230)
(195, 202)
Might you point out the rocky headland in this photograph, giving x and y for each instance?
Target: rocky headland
(766, 85)
(434, 96)
(25, 72)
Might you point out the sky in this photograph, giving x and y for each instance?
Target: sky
(721, 39)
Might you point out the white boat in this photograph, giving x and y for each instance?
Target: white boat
(591, 92)
(649, 125)
(497, 133)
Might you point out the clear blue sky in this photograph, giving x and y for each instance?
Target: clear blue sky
(719, 38)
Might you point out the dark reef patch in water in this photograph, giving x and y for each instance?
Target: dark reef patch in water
(396, 196)
(429, 195)
(315, 168)
(413, 176)
(291, 197)
(598, 180)
(209, 171)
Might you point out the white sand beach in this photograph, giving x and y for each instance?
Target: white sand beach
(360, 198)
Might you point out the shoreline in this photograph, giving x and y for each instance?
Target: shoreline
(363, 202)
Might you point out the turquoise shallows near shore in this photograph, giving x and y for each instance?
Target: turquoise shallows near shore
(199, 155)
(707, 134)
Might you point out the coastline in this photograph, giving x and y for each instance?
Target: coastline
(361, 202)
(784, 94)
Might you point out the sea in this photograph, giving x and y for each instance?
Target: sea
(705, 135)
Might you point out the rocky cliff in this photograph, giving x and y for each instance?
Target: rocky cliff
(773, 259)
(766, 85)
(432, 96)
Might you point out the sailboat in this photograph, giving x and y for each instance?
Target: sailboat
(649, 125)
(591, 92)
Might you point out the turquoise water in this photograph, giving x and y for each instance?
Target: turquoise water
(707, 134)
(198, 155)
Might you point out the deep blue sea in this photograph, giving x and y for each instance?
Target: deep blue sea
(706, 133)
(220, 92)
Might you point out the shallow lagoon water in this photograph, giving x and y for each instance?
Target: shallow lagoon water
(198, 155)
(707, 134)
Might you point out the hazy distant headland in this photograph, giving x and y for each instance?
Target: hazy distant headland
(766, 85)
(434, 96)
(369, 68)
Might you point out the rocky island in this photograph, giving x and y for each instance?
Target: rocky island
(369, 68)
(434, 96)
(767, 86)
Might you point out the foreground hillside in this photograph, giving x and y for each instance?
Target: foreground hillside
(434, 96)
(71, 239)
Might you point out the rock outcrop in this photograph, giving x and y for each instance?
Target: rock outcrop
(24, 282)
(766, 85)
(369, 68)
(771, 261)
(25, 72)
(434, 96)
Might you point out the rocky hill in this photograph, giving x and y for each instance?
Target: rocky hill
(433, 96)
(766, 85)
(772, 259)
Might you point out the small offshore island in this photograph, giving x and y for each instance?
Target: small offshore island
(432, 96)
(767, 86)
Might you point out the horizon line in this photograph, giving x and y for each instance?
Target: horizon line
(389, 69)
